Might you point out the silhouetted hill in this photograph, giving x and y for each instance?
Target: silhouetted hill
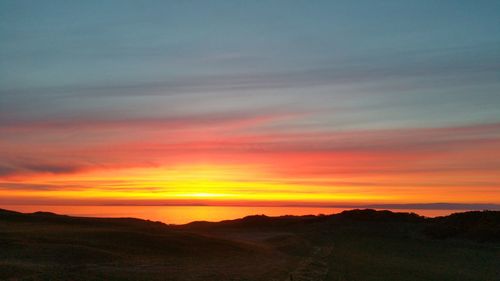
(45, 217)
(46, 246)
(379, 216)
(479, 226)
(255, 222)
(352, 245)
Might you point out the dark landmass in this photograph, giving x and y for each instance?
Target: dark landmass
(436, 206)
(362, 245)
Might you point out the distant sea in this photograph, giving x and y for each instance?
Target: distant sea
(186, 214)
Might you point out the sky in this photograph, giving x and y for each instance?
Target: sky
(220, 102)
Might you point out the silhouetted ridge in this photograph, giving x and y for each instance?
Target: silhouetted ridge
(379, 216)
(256, 222)
(44, 217)
(476, 225)
(47, 246)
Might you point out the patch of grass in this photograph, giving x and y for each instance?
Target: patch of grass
(358, 256)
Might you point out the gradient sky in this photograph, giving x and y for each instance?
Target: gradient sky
(232, 101)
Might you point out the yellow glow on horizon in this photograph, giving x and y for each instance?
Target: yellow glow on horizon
(217, 183)
(203, 195)
(200, 181)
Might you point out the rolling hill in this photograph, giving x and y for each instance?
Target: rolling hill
(352, 245)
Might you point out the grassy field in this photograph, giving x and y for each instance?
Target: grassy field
(49, 247)
(362, 255)
(355, 245)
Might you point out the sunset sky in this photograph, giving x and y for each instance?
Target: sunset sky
(248, 102)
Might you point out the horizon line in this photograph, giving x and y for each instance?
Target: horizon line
(401, 206)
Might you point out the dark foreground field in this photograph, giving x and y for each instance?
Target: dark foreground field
(362, 245)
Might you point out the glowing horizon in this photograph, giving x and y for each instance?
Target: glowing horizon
(219, 184)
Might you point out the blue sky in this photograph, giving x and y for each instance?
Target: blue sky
(411, 56)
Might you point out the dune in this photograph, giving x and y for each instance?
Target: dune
(353, 245)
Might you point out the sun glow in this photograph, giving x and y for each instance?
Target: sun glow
(186, 182)
(210, 183)
(204, 195)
